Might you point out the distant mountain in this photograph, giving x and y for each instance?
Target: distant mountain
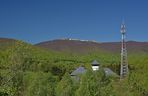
(82, 46)
(4, 40)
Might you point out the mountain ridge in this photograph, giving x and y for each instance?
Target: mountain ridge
(87, 46)
(84, 46)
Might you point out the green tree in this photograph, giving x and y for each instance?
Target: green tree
(94, 84)
(65, 86)
(38, 84)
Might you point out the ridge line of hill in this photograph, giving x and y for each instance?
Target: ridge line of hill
(85, 46)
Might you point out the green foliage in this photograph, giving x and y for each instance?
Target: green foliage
(65, 86)
(26, 70)
(38, 84)
(94, 84)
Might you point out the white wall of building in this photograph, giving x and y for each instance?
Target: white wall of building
(95, 68)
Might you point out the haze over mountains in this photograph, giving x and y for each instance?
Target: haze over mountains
(85, 46)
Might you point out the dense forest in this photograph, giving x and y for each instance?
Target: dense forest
(27, 70)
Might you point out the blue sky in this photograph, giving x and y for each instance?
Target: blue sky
(41, 20)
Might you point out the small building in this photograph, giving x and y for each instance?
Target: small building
(76, 73)
(95, 65)
(109, 72)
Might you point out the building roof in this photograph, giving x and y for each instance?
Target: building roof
(109, 72)
(95, 63)
(79, 70)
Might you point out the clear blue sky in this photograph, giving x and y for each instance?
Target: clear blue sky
(41, 20)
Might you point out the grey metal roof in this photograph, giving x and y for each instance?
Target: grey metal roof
(95, 62)
(109, 72)
(79, 70)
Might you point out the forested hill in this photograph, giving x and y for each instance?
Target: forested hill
(27, 70)
(6, 40)
(80, 46)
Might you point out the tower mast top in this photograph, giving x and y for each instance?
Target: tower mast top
(123, 28)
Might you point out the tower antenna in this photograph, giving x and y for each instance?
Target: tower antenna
(124, 61)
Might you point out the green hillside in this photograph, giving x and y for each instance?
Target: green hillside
(27, 70)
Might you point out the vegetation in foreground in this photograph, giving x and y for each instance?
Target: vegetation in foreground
(26, 70)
